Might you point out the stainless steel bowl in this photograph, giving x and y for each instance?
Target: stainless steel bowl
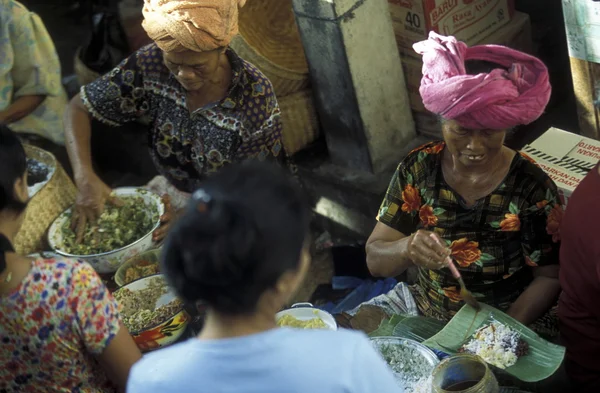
(411, 362)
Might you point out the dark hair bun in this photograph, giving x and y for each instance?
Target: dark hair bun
(240, 233)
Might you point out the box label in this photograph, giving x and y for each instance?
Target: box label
(467, 20)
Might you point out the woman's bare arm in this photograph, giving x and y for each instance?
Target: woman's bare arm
(78, 132)
(387, 252)
(539, 296)
(118, 358)
(21, 107)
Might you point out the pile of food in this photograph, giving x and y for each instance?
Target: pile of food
(141, 269)
(138, 308)
(117, 227)
(293, 322)
(497, 344)
(411, 367)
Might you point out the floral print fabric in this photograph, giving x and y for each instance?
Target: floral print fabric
(492, 242)
(52, 325)
(188, 146)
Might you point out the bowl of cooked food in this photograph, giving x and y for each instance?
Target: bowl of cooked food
(152, 313)
(411, 362)
(120, 233)
(305, 316)
(140, 266)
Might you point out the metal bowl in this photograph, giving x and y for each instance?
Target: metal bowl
(109, 262)
(165, 332)
(411, 362)
(150, 257)
(306, 311)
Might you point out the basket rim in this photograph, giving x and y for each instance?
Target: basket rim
(265, 59)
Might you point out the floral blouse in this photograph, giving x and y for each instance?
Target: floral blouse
(492, 242)
(51, 325)
(186, 147)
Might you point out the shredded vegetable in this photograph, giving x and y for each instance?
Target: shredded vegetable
(117, 227)
(138, 308)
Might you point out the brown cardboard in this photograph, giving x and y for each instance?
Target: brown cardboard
(465, 19)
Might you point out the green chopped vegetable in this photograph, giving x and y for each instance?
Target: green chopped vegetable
(117, 227)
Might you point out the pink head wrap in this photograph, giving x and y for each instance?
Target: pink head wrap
(197, 25)
(498, 100)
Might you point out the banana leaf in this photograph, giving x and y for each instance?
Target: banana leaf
(386, 328)
(418, 329)
(540, 363)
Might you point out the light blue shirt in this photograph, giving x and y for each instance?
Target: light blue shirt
(277, 361)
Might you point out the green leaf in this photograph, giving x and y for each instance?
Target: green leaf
(479, 263)
(438, 211)
(495, 224)
(542, 361)
(448, 243)
(409, 179)
(513, 208)
(423, 191)
(486, 257)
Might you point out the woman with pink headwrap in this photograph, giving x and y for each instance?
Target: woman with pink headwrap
(489, 208)
(205, 106)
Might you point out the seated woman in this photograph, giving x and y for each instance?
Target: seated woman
(470, 197)
(242, 249)
(33, 100)
(578, 307)
(59, 325)
(205, 106)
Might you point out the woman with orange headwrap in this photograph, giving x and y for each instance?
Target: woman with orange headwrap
(206, 106)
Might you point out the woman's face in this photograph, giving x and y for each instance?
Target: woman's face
(472, 147)
(193, 69)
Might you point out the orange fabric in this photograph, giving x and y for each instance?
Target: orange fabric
(197, 25)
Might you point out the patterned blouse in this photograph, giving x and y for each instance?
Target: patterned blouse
(51, 325)
(492, 242)
(187, 146)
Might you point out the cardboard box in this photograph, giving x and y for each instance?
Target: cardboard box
(566, 158)
(464, 19)
(565, 148)
(582, 22)
(567, 177)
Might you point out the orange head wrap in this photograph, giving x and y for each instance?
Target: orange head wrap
(197, 25)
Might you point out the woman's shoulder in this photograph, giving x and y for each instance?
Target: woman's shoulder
(528, 172)
(251, 74)
(422, 158)
(62, 270)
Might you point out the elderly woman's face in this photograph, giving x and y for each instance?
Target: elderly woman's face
(193, 69)
(472, 147)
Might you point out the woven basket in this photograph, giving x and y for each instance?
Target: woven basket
(300, 122)
(82, 72)
(269, 39)
(43, 208)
